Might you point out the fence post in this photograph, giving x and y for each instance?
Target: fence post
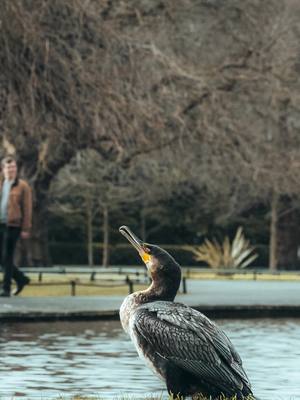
(93, 274)
(40, 276)
(184, 285)
(130, 284)
(73, 288)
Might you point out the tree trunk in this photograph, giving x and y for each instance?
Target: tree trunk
(273, 233)
(23, 253)
(89, 227)
(40, 255)
(105, 255)
(288, 236)
(40, 180)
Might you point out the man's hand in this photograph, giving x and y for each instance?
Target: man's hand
(25, 235)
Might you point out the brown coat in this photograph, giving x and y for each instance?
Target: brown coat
(19, 211)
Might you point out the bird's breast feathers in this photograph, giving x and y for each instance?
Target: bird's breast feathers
(151, 359)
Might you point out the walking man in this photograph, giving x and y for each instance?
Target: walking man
(15, 221)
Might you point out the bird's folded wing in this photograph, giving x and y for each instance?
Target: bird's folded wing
(190, 340)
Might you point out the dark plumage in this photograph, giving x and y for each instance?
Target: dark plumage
(187, 350)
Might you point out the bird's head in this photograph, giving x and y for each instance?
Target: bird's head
(160, 264)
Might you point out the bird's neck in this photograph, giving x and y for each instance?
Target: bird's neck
(159, 291)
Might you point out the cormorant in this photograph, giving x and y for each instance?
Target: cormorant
(183, 347)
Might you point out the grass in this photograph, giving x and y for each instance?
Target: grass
(197, 397)
(59, 285)
(218, 275)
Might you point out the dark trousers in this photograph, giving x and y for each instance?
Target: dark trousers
(9, 236)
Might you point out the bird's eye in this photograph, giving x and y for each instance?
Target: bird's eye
(146, 249)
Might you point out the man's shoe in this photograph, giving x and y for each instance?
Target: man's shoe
(4, 293)
(21, 285)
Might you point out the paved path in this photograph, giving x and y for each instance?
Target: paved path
(215, 298)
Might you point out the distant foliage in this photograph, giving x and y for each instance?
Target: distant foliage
(238, 254)
(205, 92)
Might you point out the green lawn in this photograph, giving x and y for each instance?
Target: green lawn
(113, 284)
(59, 285)
(153, 398)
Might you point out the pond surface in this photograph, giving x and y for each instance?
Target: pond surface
(49, 360)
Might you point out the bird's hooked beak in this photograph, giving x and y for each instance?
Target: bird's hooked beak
(136, 242)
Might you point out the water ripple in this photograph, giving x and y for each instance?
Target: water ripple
(48, 360)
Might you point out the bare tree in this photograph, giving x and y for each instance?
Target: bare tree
(215, 81)
(94, 188)
(70, 79)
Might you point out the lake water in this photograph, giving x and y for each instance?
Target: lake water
(49, 360)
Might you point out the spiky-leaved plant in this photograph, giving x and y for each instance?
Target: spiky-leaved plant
(238, 254)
